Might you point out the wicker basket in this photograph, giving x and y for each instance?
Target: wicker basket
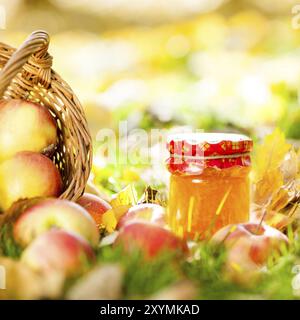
(26, 74)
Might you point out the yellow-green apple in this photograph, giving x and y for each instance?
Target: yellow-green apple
(54, 213)
(95, 206)
(153, 213)
(27, 175)
(249, 246)
(149, 238)
(25, 126)
(59, 251)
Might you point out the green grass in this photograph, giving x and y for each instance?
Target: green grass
(143, 277)
(8, 246)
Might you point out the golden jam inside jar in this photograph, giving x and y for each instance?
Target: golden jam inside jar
(208, 190)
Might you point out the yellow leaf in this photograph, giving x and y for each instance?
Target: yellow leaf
(120, 203)
(267, 187)
(126, 197)
(120, 211)
(109, 220)
(111, 217)
(280, 199)
(266, 174)
(270, 154)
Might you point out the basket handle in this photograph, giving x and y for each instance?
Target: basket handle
(37, 43)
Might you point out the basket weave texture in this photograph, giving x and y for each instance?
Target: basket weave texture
(26, 74)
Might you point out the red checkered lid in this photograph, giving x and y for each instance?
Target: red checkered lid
(221, 150)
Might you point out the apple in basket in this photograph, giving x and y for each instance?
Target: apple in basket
(59, 251)
(25, 126)
(249, 246)
(54, 213)
(153, 213)
(149, 238)
(26, 175)
(95, 206)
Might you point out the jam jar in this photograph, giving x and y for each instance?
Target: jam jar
(209, 182)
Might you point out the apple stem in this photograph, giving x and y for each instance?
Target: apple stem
(49, 151)
(265, 210)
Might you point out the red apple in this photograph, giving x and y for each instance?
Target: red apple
(150, 238)
(153, 213)
(59, 251)
(55, 213)
(264, 239)
(27, 175)
(249, 246)
(95, 206)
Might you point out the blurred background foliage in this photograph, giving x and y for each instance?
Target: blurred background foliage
(210, 64)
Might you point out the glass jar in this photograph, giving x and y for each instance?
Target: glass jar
(209, 183)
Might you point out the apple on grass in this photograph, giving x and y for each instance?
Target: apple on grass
(25, 126)
(249, 247)
(59, 251)
(54, 213)
(149, 238)
(95, 206)
(153, 213)
(27, 175)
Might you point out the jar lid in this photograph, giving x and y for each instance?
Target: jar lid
(190, 152)
(208, 144)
